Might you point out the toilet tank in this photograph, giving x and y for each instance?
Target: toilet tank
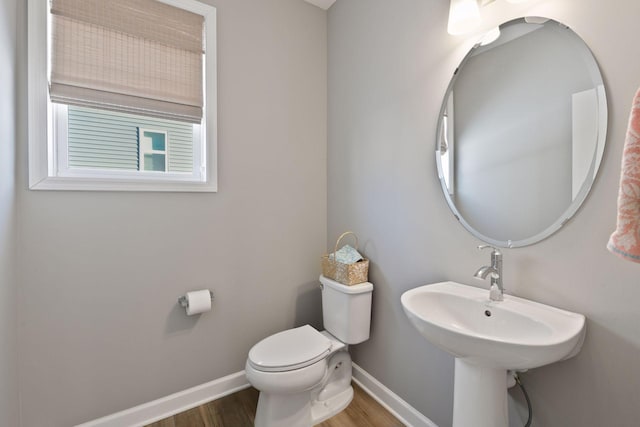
(346, 310)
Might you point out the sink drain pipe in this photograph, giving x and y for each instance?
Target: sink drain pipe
(514, 379)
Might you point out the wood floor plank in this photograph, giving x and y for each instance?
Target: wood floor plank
(190, 418)
(167, 422)
(239, 410)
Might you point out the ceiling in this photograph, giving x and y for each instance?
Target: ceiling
(322, 4)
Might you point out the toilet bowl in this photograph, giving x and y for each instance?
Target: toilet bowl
(304, 392)
(304, 375)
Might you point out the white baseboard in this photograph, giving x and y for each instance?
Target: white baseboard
(164, 407)
(173, 404)
(404, 412)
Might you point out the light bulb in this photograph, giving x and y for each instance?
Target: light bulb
(464, 16)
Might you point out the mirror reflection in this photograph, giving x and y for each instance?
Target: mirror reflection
(522, 132)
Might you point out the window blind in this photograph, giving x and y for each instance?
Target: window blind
(135, 56)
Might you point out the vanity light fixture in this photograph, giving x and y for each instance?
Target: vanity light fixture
(464, 16)
(490, 36)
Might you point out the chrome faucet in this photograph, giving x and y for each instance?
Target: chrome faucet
(496, 291)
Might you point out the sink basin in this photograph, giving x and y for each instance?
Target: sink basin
(488, 338)
(512, 334)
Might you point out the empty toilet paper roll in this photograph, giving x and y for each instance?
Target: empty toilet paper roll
(198, 302)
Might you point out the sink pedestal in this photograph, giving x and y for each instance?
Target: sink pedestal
(479, 396)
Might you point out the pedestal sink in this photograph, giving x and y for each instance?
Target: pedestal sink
(488, 338)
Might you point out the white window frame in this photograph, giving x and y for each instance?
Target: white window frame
(48, 155)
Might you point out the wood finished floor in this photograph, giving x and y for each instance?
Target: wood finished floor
(239, 410)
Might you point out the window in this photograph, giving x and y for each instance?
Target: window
(152, 148)
(122, 95)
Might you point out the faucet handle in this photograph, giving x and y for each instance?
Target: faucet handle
(496, 251)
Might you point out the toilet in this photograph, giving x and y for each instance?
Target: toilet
(304, 375)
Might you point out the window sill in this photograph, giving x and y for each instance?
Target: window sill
(94, 184)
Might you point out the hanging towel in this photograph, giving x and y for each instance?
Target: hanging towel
(625, 241)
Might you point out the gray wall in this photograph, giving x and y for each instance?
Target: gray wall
(389, 66)
(8, 342)
(100, 329)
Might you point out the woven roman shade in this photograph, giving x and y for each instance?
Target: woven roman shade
(136, 56)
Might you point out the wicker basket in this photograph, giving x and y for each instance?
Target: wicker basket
(347, 274)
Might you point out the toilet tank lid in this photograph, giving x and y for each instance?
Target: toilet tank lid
(360, 288)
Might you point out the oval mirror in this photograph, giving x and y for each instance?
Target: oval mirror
(521, 133)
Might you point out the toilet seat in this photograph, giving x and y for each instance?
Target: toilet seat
(289, 350)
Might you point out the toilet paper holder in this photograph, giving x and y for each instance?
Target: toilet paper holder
(184, 302)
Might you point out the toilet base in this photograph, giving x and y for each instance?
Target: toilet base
(297, 410)
(291, 410)
(277, 408)
(323, 410)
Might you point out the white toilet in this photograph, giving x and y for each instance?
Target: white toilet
(303, 375)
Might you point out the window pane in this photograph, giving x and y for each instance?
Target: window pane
(157, 140)
(100, 139)
(154, 162)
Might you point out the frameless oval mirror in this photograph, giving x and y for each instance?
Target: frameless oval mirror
(522, 132)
